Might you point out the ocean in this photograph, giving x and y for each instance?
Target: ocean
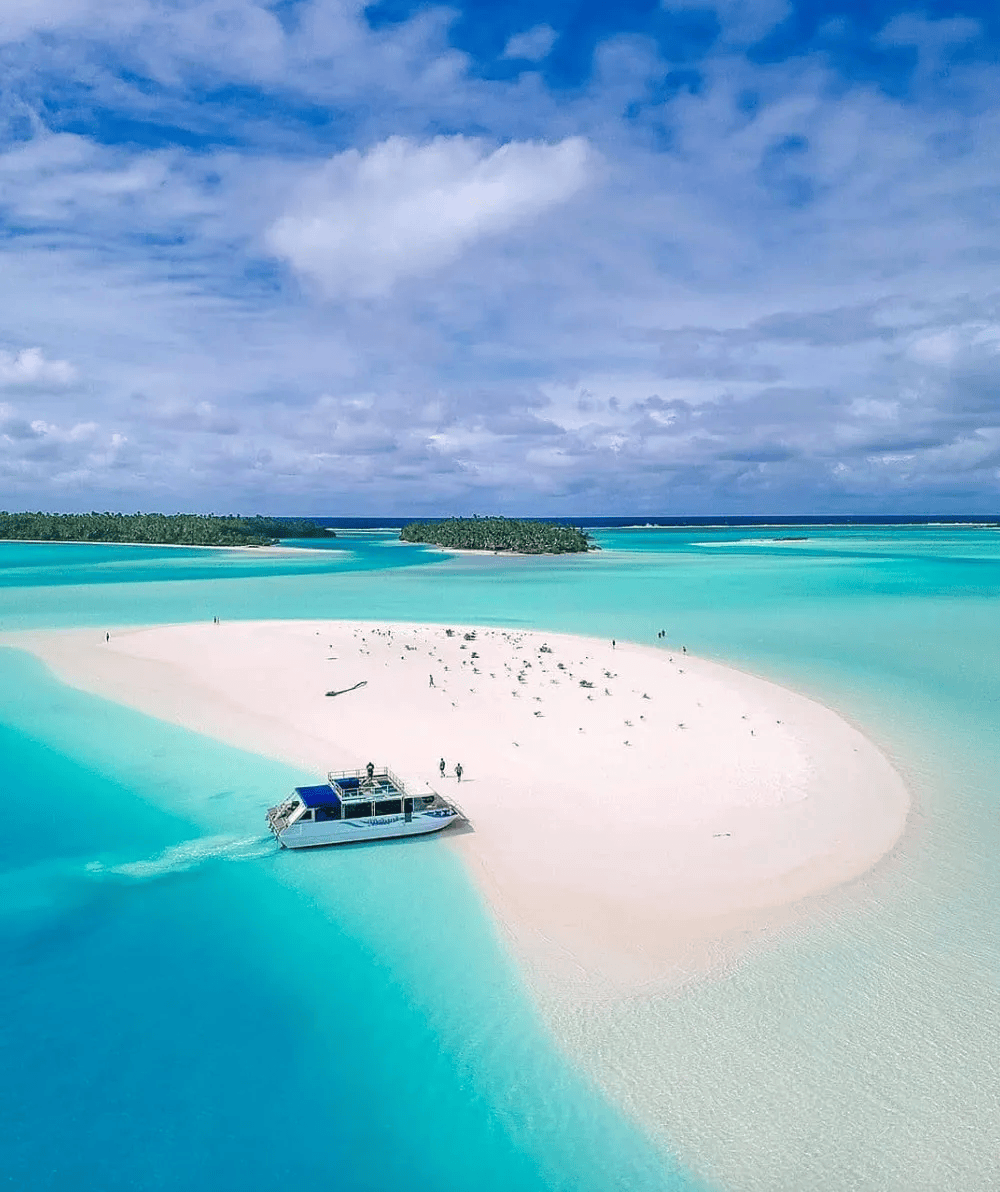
(184, 1006)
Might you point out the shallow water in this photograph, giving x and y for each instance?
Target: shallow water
(188, 1007)
(206, 1013)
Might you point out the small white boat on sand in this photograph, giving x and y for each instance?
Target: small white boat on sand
(356, 805)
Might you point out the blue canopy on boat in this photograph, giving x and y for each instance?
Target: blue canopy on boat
(318, 796)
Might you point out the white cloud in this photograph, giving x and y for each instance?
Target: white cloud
(17, 19)
(533, 45)
(244, 29)
(945, 346)
(743, 22)
(935, 41)
(364, 221)
(911, 29)
(28, 367)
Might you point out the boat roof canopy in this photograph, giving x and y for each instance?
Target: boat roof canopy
(318, 796)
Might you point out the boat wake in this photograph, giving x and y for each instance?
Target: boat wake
(51, 894)
(179, 858)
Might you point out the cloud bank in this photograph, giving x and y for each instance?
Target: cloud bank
(297, 259)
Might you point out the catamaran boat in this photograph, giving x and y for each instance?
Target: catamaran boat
(354, 805)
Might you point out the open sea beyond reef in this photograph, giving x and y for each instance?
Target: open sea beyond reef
(184, 1007)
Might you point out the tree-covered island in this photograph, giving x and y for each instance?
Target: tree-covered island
(161, 529)
(499, 534)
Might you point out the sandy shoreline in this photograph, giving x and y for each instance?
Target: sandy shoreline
(630, 806)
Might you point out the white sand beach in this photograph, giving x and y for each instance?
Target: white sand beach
(630, 806)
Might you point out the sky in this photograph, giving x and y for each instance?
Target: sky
(307, 256)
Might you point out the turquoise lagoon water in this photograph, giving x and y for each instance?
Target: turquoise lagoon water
(186, 1008)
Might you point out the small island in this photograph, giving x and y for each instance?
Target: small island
(499, 534)
(156, 529)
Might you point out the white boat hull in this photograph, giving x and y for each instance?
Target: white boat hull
(355, 831)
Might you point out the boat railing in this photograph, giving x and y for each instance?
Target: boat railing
(278, 819)
(448, 801)
(381, 777)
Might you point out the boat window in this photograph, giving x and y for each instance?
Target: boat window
(357, 810)
(428, 800)
(388, 806)
(306, 815)
(328, 812)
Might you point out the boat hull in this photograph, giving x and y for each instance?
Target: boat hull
(357, 831)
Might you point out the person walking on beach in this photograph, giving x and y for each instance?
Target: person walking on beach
(430, 680)
(458, 771)
(107, 637)
(614, 644)
(442, 767)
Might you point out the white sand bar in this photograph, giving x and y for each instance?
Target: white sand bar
(629, 805)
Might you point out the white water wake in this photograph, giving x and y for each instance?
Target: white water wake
(39, 896)
(189, 854)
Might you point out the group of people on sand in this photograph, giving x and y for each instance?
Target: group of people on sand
(370, 771)
(458, 769)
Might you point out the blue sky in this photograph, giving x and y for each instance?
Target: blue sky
(560, 258)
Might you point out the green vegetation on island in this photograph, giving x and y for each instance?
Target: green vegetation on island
(177, 529)
(499, 534)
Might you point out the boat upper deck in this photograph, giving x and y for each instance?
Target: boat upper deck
(347, 785)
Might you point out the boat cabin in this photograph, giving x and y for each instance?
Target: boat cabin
(352, 794)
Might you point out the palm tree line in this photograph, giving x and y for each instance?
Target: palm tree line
(499, 534)
(173, 529)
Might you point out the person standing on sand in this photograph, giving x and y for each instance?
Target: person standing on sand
(442, 767)
(614, 645)
(107, 637)
(458, 771)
